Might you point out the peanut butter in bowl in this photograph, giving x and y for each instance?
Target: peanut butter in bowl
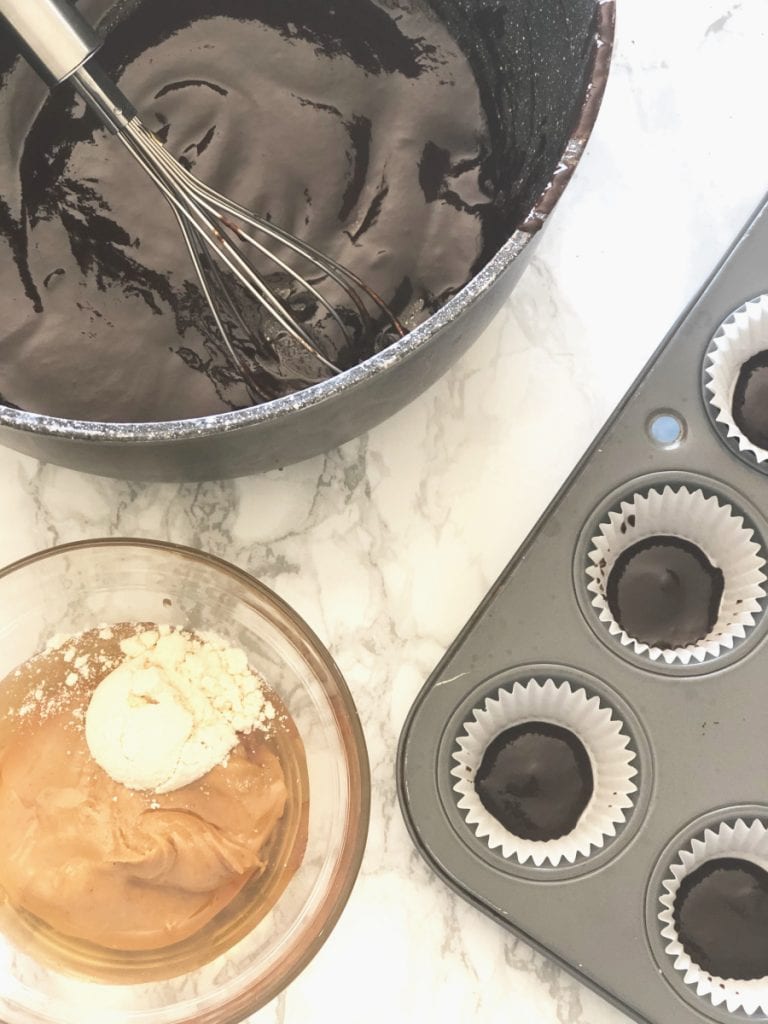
(153, 801)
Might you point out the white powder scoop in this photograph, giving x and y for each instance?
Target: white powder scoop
(173, 709)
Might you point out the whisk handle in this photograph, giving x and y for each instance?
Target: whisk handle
(56, 38)
(58, 42)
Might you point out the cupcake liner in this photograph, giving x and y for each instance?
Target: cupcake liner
(741, 336)
(749, 842)
(602, 735)
(713, 526)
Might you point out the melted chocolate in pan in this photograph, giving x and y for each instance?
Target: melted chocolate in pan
(357, 126)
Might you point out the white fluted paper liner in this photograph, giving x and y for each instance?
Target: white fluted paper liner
(743, 335)
(749, 842)
(713, 526)
(606, 743)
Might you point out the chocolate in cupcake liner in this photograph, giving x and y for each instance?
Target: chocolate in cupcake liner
(743, 335)
(603, 738)
(746, 842)
(707, 523)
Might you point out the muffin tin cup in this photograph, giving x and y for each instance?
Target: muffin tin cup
(598, 728)
(741, 335)
(748, 841)
(714, 526)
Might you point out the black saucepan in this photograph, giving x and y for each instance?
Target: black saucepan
(541, 68)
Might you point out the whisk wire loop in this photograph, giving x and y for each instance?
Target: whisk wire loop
(179, 188)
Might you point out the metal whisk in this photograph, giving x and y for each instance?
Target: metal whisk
(60, 45)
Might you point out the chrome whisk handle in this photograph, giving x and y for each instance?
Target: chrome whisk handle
(58, 42)
(56, 38)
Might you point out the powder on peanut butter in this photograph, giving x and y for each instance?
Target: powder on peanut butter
(173, 708)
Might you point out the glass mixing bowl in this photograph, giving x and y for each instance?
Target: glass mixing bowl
(79, 586)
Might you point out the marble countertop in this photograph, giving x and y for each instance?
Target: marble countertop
(386, 545)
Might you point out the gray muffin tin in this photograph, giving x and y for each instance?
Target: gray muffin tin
(699, 732)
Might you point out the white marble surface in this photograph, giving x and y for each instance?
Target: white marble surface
(386, 545)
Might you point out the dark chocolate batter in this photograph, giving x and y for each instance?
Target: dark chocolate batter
(750, 399)
(536, 779)
(664, 591)
(356, 125)
(721, 916)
